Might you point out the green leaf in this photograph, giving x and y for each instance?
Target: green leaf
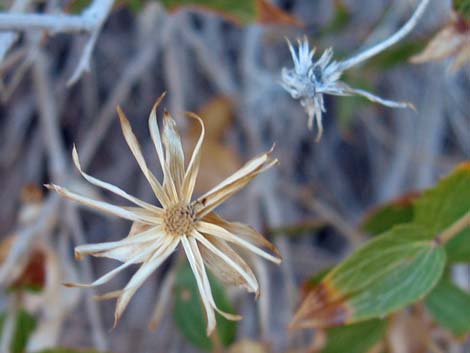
(440, 207)
(341, 19)
(458, 248)
(25, 325)
(392, 213)
(77, 6)
(242, 11)
(356, 338)
(450, 306)
(462, 7)
(390, 272)
(189, 314)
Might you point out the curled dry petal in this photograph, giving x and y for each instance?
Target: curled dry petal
(100, 205)
(224, 234)
(174, 151)
(121, 250)
(193, 167)
(244, 232)
(110, 187)
(160, 255)
(213, 198)
(205, 278)
(137, 152)
(225, 263)
(210, 315)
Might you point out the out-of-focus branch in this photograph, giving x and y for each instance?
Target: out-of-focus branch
(47, 218)
(52, 23)
(97, 12)
(90, 20)
(96, 322)
(135, 69)
(49, 118)
(56, 153)
(329, 215)
(9, 38)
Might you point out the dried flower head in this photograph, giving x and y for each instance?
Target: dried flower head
(157, 231)
(310, 79)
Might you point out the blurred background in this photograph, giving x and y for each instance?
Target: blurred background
(61, 79)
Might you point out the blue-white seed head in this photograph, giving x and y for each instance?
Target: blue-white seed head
(309, 80)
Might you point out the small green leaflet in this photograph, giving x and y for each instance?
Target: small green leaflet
(355, 338)
(188, 311)
(462, 7)
(440, 207)
(242, 11)
(390, 272)
(458, 249)
(25, 325)
(392, 213)
(450, 306)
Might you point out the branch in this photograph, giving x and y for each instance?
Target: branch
(98, 12)
(51, 23)
(378, 48)
(329, 215)
(90, 20)
(135, 69)
(9, 38)
(58, 163)
(92, 308)
(49, 118)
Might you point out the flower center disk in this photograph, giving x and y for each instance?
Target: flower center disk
(178, 220)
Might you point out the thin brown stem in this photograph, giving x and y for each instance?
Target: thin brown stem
(217, 346)
(450, 232)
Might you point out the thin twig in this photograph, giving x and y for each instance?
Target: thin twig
(136, 67)
(330, 215)
(52, 23)
(92, 307)
(378, 48)
(454, 229)
(49, 117)
(9, 38)
(56, 153)
(98, 11)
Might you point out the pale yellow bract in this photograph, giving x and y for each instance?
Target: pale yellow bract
(157, 231)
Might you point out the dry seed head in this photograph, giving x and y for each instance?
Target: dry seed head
(178, 220)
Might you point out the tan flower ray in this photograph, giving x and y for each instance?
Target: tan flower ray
(157, 231)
